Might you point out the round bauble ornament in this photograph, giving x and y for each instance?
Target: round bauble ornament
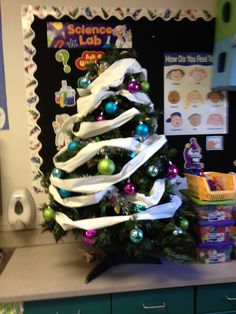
(145, 86)
(133, 86)
(83, 82)
(64, 193)
(106, 166)
(177, 231)
(153, 171)
(48, 214)
(73, 145)
(129, 189)
(111, 107)
(172, 171)
(90, 233)
(184, 224)
(136, 235)
(142, 130)
(100, 117)
(139, 208)
(88, 240)
(132, 155)
(57, 173)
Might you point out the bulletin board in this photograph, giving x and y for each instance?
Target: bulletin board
(154, 33)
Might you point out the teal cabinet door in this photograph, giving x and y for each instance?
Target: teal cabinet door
(83, 305)
(168, 301)
(216, 298)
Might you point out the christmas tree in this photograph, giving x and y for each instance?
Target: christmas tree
(114, 183)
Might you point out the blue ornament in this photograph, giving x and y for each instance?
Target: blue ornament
(57, 173)
(136, 235)
(132, 155)
(83, 82)
(139, 208)
(142, 129)
(64, 193)
(111, 107)
(73, 145)
(153, 171)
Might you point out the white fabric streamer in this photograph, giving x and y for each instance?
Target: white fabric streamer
(90, 129)
(157, 212)
(154, 197)
(94, 184)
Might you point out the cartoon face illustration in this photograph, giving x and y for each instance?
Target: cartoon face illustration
(215, 96)
(195, 119)
(215, 119)
(174, 97)
(175, 74)
(175, 119)
(193, 97)
(198, 74)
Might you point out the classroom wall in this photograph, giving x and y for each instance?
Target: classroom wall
(14, 147)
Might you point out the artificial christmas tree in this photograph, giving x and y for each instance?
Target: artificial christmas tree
(113, 184)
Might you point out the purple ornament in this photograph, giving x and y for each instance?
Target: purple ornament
(133, 87)
(100, 117)
(172, 171)
(129, 189)
(88, 240)
(89, 236)
(90, 233)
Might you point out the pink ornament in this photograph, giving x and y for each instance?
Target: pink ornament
(100, 117)
(172, 171)
(133, 87)
(90, 233)
(88, 240)
(129, 189)
(89, 236)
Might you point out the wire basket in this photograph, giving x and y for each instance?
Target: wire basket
(198, 186)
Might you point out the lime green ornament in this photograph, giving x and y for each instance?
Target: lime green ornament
(145, 86)
(48, 214)
(106, 166)
(184, 224)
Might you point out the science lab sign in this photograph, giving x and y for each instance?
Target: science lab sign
(190, 106)
(88, 35)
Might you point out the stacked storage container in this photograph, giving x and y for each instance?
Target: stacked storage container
(215, 228)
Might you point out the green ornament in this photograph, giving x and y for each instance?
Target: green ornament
(145, 86)
(106, 166)
(136, 235)
(184, 224)
(139, 208)
(48, 214)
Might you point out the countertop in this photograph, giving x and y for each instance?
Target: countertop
(59, 271)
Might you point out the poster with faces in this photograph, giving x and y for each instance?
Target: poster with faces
(190, 106)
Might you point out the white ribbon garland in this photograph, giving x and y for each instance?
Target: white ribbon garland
(98, 183)
(166, 210)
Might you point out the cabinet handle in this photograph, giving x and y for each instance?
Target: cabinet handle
(154, 306)
(230, 299)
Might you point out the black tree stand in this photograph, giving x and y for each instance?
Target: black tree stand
(115, 259)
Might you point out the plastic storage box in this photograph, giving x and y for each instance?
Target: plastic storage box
(211, 211)
(210, 253)
(215, 231)
(198, 186)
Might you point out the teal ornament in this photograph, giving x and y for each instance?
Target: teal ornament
(142, 130)
(132, 155)
(184, 224)
(64, 193)
(111, 107)
(106, 166)
(136, 235)
(153, 171)
(73, 145)
(145, 86)
(57, 173)
(138, 208)
(83, 82)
